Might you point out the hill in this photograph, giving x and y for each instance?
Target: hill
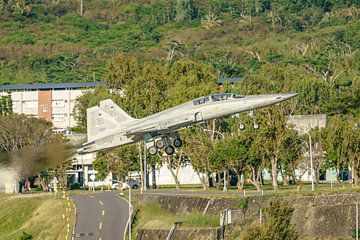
(49, 41)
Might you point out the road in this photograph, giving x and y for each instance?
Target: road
(100, 216)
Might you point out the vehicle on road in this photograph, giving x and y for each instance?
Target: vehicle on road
(133, 184)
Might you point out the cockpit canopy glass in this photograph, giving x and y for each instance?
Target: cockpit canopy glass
(201, 100)
(235, 95)
(216, 98)
(220, 97)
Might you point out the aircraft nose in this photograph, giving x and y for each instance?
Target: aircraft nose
(283, 97)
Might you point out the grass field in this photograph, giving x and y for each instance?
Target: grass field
(34, 216)
(152, 216)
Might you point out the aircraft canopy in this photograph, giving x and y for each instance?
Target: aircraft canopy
(216, 98)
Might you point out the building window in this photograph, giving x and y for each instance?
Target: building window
(44, 107)
(31, 104)
(58, 103)
(58, 118)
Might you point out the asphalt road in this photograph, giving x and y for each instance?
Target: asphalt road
(100, 216)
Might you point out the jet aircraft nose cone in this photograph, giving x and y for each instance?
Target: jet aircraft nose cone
(291, 95)
(283, 97)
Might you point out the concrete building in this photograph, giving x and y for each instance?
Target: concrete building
(54, 102)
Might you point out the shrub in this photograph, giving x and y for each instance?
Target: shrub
(277, 225)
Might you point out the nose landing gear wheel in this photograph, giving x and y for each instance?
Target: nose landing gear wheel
(169, 150)
(177, 142)
(160, 143)
(152, 150)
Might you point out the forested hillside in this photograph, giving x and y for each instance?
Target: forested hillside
(50, 41)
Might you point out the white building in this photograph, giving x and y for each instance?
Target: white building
(54, 101)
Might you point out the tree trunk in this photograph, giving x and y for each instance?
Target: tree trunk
(274, 174)
(355, 174)
(204, 180)
(240, 183)
(42, 183)
(175, 177)
(218, 181)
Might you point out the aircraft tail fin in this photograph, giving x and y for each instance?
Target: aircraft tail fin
(99, 123)
(104, 120)
(115, 111)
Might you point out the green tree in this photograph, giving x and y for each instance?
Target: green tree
(5, 105)
(277, 225)
(121, 71)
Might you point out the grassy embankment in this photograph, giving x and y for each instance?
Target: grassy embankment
(36, 216)
(152, 216)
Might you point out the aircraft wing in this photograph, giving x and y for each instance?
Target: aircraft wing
(159, 129)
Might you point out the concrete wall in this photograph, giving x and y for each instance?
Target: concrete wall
(314, 217)
(8, 181)
(180, 234)
(186, 175)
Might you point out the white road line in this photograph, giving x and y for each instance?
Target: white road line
(100, 225)
(101, 203)
(103, 213)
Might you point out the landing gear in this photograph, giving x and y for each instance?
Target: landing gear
(152, 150)
(241, 126)
(256, 126)
(178, 142)
(160, 143)
(169, 150)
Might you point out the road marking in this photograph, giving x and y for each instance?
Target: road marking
(100, 225)
(101, 203)
(100, 238)
(103, 213)
(91, 196)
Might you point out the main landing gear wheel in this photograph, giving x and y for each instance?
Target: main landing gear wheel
(241, 126)
(160, 143)
(152, 150)
(169, 150)
(256, 126)
(177, 142)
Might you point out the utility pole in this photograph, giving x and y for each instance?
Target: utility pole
(311, 162)
(81, 7)
(145, 169)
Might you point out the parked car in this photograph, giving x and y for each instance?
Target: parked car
(133, 184)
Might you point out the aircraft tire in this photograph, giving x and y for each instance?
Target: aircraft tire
(169, 150)
(160, 143)
(152, 150)
(178, 142)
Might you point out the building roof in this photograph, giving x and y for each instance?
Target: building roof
(229, 80)
(39, 86)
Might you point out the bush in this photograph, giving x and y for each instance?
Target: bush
(26, 236)
(75, 186)
(277, 225)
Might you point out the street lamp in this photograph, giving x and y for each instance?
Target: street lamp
(311, 161)
(223, 137)
(130, 207)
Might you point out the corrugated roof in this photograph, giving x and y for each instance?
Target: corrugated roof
(37, 86)
(229, 80)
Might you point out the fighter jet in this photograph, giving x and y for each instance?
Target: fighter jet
(109, 126)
